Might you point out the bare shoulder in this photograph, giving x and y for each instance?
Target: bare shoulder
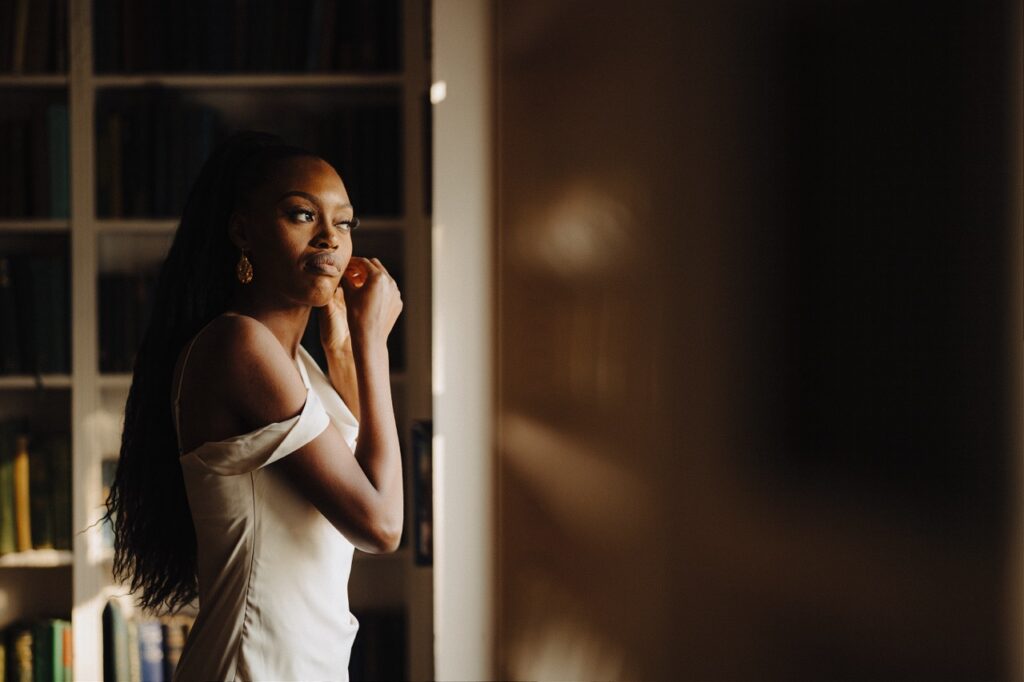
(240, 378)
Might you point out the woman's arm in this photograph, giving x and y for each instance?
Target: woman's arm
(360, 493)
(341, 367)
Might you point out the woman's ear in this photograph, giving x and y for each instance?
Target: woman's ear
(236, 229)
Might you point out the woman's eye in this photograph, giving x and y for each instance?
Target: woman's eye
(349, 225)
(302, 212)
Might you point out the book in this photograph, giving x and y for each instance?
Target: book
(10, 347)
(116, 661)
(19, 647)
(20, 36)
(47, 650)
(22, 505)
(67, 659)
(40, 493)
(18, 158)
(423, 495)
(49, 311)
(174, 634)
(8, 532)
(134, 662)
(60, 38)
(151, 650)
(37, 48)
(39, 178)
(57, 121)
(60, 494)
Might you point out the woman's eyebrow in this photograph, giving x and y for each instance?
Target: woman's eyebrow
(310, 197)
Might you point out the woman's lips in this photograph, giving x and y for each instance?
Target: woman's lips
(324, 263)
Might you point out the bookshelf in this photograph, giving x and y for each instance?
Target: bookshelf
(350, 95)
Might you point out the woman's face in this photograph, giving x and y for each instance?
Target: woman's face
(296, 227)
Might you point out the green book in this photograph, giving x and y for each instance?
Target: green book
(8, 541)
(41, 491)
(47, 651)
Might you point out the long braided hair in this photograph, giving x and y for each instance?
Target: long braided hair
(154, 538)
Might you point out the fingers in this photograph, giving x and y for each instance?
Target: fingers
(362, 269)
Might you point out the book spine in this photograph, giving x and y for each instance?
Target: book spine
(151, 651)
(10, 348)
(60, 37)
(66, 657)
(39, 153)
(174, 644)
(20, 36)
(38, 47)
(134, 662)
(116, 663)
(8, 532)
(22, 508)
(40, 493)
(20, 168)
(21, 653)
(42, 312)
(61, 491)
(21, 278)
(43, 650)
(57, 119)
(60, 281)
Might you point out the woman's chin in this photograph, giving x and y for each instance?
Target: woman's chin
(321, 295)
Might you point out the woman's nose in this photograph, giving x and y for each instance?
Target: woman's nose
(327, 237)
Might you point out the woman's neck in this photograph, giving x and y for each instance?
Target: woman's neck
(286, 321)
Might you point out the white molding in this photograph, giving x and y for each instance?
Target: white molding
(29, 381)
(463, 355)
(36, 558)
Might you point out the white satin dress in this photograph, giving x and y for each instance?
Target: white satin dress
(272, 571)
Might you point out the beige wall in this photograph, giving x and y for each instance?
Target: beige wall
(758, 393)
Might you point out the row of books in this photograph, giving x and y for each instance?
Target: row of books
(246, 35)
(141, 649)
(125, 302)
(35, 488)
(34, 164)
(149, 148)
(34, 313)
(37, 650)
(152, 144)
(34, 36)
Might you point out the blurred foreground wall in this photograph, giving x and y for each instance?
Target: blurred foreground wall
(759, 339)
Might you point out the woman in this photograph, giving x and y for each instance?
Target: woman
(247, 475)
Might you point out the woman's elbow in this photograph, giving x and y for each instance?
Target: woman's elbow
(385, 538)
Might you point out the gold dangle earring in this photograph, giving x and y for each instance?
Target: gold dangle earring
(244, 269)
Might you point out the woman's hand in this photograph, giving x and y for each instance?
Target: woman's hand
(334, 332)
(373, 300)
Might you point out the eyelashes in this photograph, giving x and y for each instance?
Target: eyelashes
(294, 214)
